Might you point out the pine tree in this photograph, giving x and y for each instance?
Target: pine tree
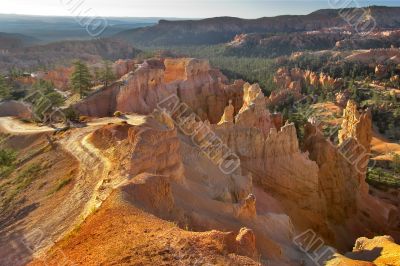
(107, 74)
(81, 78)
(5, 89)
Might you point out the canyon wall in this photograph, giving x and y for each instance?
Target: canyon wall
(342, 176)
(132, 148)
(272, 156)
(205, 90)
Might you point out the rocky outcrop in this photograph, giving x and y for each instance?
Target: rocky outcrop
(245, 40)
(381, 250)
(284, 77)
(150, 192)
(133, 148)
(123, 67)
(273, 157)
(376, 56)
(228, 115)
(215, 149)
(374, 39)
(356, 125)
(143, 89)
(342, 175)
(254, 113)
(291, 82)
(295, 79)
(243, 243)
(165, 160)
(338, 180)
(246, 243)
(203, 89)
(246, 210)
(137, 92)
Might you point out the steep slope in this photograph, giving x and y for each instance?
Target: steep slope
(135, 237)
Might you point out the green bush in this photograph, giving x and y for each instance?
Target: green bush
(7, 157)
(7, 160)
(71, 114)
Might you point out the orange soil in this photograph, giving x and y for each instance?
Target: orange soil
(121, 234)
(35, 208)
(380, 146)
(378, 251)
(383, 147)
(329, 112)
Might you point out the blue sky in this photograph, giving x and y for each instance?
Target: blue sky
(178, 8)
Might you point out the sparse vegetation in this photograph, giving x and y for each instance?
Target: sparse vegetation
(7, 160)
(64, 182)
(382, 178)
(27, 176)
(5, 89)
(43, 98)
(16, 185)
(107, 74)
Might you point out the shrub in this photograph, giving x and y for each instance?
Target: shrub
(7, 157)
(7, 161)
(71, 114)
(117, 114)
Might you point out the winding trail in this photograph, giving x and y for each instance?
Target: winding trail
(92, 185)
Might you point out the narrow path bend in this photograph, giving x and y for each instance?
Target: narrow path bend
(92, 185)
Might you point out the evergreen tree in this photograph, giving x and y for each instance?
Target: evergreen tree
(81, 78)
(107, 74)
(5, 89)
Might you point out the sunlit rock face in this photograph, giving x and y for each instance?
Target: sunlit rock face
(356, 125)
(253, 113)
(203, 89)
(291, 83)
(384, 249)
(272, 156)
(342, 175)
(133, 148)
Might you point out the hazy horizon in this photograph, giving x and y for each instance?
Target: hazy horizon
(178, 8)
